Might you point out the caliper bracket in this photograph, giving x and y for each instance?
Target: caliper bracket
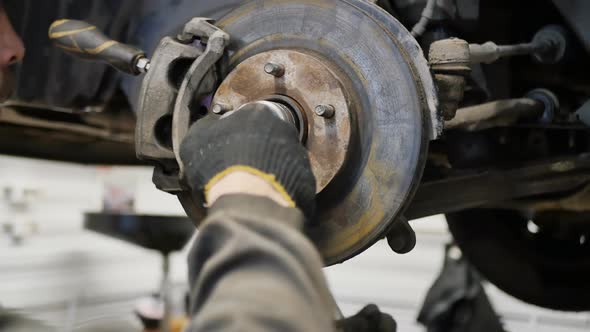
(167, 92)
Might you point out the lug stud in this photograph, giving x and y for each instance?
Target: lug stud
(325, 111)
(220, 108)
(274, 69)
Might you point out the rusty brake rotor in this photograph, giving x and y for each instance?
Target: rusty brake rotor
(363, 97)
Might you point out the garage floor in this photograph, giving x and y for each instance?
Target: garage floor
(72, 278)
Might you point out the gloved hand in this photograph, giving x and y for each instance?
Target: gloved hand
(252, 141)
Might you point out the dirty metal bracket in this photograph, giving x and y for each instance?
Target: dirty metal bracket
(500, 186)
(196, 82)
(167, 92)
(157, 96)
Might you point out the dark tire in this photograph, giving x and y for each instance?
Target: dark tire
(542, 267)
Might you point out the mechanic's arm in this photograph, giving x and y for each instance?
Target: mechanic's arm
(251, 268)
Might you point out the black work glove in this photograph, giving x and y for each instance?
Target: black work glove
(255, 141)
(369, 319)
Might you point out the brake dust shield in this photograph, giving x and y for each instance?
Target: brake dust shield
(369, 157)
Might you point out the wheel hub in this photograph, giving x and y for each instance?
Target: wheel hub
(306, 83)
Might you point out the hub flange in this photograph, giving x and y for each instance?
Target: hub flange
(306, 83)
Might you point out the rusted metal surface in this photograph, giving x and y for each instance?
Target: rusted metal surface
(449, 60)
(414, 57)
(308, 82)
(98, 138)
(578, 201)
(506, 188)
(369, 155)
(158, 94)
(390, 97)
(199, 79)
(496, 113)
(11, 116)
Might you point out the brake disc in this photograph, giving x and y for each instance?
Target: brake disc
(353, 56)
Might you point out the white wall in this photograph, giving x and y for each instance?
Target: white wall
(68, 276)
(63, 191)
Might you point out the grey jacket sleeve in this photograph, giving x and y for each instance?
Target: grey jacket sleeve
(251, 269)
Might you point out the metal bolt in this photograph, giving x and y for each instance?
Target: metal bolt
(143, 65)
(220, 108)
(274, 69)
(455, 253)
(325, 111)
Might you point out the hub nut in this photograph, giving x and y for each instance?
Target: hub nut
(325, 111)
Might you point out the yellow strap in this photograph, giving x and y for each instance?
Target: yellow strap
(100, 47)
(60, 34)
(270, 178)
(96, 50)
(58, 23)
